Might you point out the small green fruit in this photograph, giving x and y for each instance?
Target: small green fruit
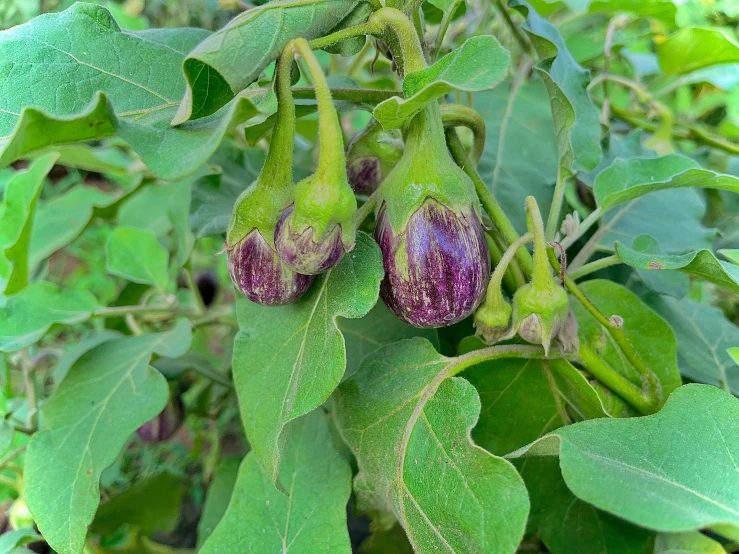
(493, 321)
(539, 313)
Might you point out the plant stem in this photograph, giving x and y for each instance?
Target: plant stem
(588, 249)
(343, 34)
(456, 115)
(520, 37)
(557, 201)
(358, 95)
(365, 209)
(5, 460)
(496, 280)
(583, 228)
(604, 373)
(499, 352)
(595, 266)
(358, 60)
(331, 162)
(199, 305)
(122, 311)
(542, 274)
(443, 27)
(411, 51)
(496, 254)
(29, 383)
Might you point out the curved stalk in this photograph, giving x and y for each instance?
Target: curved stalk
(456, 115)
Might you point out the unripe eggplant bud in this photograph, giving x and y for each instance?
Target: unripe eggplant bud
(370, 156)
(539, 313)
(436, 267)
(493, 321)
(166, 424)
(259, 274)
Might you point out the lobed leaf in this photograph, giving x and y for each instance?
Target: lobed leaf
(27, 316)
(575, 115)
(16, 220)
(108, 393)
(137, 255)
(232, 58)
(408, 423)
(110, 81)
(288, 359)
(699, 263)
(481, 63)
(626, 180)
(651, 470)
(311, 519)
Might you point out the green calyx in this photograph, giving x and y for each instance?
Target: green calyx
(426, 171)
(325, 199)
(493, 318)
(540, 308)
(261, 204)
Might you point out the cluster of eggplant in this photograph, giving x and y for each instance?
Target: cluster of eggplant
(428, 226)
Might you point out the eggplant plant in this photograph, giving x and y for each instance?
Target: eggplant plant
(372, 276)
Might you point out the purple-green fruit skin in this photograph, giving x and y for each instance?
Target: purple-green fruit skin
(162, 427)
(437, 268)
(301, 252)
(259, 274)
(364, 175)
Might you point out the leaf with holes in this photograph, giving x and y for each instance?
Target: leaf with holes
(407, 421)
(107, 394)
(310, 519)
(288, 359)
(481, 63)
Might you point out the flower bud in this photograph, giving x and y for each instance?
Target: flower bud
(162, 427)
(370, 156)
(539, 313)
(436, 267)
(493, 320)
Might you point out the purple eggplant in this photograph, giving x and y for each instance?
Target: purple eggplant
(370, 156)
(259, 274)
(436, 268)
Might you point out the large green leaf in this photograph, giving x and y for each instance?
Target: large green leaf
(16, 221)
(691, 542)
(479, 64)
(672, 471)
(288, 360)
(699, 263)
(27, 316)
(9, 540)
(311, 519)
(626, 180)
(106, 81)
(566, 524)
(151, 504)
(378, 328)
(519, 129)
(218, 497)
(575, 115)
(107, 394)
(232, 58)
(408, 422)
(703, 335)
(657, 347)
(137, 255)
(694, 48)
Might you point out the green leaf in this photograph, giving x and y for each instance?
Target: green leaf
(108, 81)
(137, 255)
(667, 281)
(703, 335)
(16, 220)
(60, 220)
(671, 217)
(481, 63)
(519, 129)
(524, 399)
(653, 470)
(691, 542)
(566, 524)
(731, 255)
(288, 360)
(734, 354)
(151, 504)
(626, 180)
(12, 539)
(229, 60)
(378, 328)
(27, 316)
(701, 263)
(218, 497)
(694, 48)
(658, 347)
(148, 207)
(575, 115)
(407, 422)
(74, 351)
(663, 10)
(311, 519)
(108, 393)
